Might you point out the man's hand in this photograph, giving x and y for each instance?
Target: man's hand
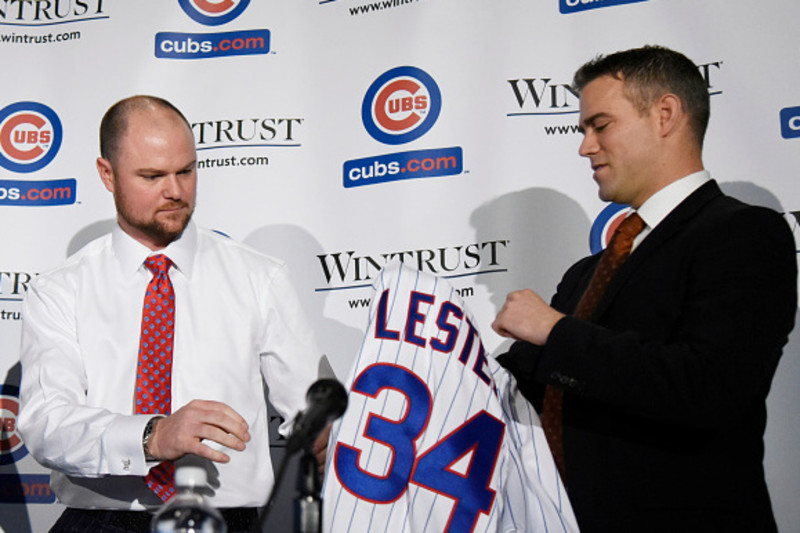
(182, 432)
(320, 448)
(525, 316)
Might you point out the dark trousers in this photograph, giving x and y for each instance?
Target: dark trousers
(238, 520)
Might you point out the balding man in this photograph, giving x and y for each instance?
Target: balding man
(147, 348)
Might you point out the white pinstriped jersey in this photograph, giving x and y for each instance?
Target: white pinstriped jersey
(436, 437)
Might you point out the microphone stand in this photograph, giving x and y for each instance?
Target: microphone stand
(308, 502)
(327, 401)
(258, 527)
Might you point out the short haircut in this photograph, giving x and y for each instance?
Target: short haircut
(649, 73)
(115, 121)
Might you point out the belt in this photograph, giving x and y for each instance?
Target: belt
(236, 518)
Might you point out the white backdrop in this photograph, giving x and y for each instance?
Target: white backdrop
(276, 91)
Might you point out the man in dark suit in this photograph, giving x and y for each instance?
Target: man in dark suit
(664, 384)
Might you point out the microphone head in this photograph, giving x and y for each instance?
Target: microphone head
(327, 401)
(331, 393)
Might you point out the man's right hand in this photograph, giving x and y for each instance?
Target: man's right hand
(525, 316)
(184, 430)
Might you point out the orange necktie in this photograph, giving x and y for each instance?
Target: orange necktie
(618, 250)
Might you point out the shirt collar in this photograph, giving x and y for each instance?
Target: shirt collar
(131, 254)
(657, 207)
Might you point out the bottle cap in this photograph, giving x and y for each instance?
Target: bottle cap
(190, 476)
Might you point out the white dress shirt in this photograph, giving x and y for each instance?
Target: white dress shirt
(657, 207)
(237, 319)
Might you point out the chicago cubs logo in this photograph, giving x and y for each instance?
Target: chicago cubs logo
(401, 105)
(571, 6)
(605, 224)
(11, 447)
(213, 12)
(30, 136)
(790, 122)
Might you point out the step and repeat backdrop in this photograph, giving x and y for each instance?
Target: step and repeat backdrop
(340, 134)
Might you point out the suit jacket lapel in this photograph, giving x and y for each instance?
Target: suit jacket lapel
(673, 222)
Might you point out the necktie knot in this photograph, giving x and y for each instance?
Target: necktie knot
(631, 226)
(622, 241)
(158, 264)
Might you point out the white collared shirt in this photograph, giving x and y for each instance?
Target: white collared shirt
(236, 319)
(657, 207)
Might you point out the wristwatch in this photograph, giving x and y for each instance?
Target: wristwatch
(148, 432)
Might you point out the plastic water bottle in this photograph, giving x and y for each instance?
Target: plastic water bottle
(188, 511)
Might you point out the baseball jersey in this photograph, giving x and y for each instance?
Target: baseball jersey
(436, 436)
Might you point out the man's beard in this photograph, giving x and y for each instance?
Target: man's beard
(161, 232)
(164, 233)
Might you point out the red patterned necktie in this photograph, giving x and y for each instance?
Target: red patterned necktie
(618, 250)
(154, 370)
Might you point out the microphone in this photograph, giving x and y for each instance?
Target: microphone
(327, 401)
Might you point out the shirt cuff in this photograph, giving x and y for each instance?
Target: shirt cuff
(122, 446)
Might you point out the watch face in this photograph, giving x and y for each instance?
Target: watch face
(148, 431)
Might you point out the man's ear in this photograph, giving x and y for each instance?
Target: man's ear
(106, 172)
(670, 114)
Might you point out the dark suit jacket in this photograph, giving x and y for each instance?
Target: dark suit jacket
(665, 389)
